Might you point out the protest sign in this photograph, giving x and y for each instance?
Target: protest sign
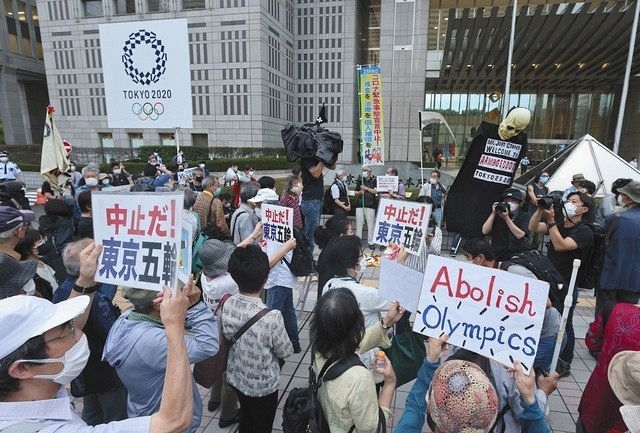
(277, 223)
(488, 311)
(186, 247)
(403, 223)
(118, 188)
(140, 234)
(387, 183)
(400, 283)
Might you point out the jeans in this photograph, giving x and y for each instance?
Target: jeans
(311, 210)
(365, 214)
(281, 298)
(257, 413)
(567, 353)
(437, 214)
(545, 352)
(223, 393)
(105, 407)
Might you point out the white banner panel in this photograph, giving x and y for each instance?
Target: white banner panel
(147, 82)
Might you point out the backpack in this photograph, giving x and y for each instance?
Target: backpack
(302, 411)
(327, 202)
(143, 185)
(544, 270)
(592, 258)
(302, 263)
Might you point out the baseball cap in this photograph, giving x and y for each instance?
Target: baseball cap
(10, 217)
(264, 194)
(29, 316)
(514, 193)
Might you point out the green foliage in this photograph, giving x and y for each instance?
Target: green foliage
(197, 154)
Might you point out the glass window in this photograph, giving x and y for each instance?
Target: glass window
(106, 139)
(167, 139)
(123, 7)
(192, 4)
(135, 139)
(24, 29)
(200, 140)
(92, 8)
(36, 29)
(12, 28)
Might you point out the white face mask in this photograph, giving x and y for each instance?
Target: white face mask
(91, 181)
(513, 207)
(29, 288)
(433, 181)
(201, 165)
(251, 173)
(4, 159)
(569, 209)
(296, 189)
(74, 361)
(620, 200)
(105, 181)
(365, 174)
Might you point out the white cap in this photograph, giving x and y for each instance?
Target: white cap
(264, 194)
(23, 317)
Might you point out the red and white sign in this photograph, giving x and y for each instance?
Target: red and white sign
(67, 146)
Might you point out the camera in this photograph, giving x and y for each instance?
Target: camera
(502, 207)
(546, 202)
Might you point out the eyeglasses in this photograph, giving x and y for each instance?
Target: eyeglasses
(71, 326)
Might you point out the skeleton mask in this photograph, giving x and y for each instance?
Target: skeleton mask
(514, 123)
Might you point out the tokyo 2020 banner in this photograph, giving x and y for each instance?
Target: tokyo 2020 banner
(146, 74)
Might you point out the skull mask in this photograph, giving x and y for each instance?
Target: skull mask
(514, 123)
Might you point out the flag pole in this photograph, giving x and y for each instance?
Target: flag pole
(507, 85)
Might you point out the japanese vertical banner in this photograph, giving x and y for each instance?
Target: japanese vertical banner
(371, 121)
(488, 311)
(277, 223)
(141, 238)
(403, 223)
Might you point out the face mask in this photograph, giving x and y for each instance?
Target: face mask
(251, 173)
(569, 209)
(258, 212)
(433, 181)
(105, 181)
(544, 180)
(30, 288)
(72, 168)
(296, 189)
(117, 171)
(4, 159)
(155, 153)
(201, 165)
(365, 174)
(74, 361)
(620, 200)
(92, 181)
(513, 207)
(217, 191)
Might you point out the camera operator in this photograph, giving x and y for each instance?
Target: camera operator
(570, 238)
(508, 225)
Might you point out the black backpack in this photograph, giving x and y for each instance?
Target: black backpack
(592, 258)
(544, 270)
(144, 184)
(302, 263)
(302, 411)
(327, 202)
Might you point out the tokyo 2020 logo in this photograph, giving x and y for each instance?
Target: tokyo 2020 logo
(142, 76)
(147, 110)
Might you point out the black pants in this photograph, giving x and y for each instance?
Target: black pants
(567, 353)
(257, 413)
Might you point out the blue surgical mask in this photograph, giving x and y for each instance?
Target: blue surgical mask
(544, 179)
(217, 191)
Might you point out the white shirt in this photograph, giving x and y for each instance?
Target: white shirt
(62, 418)
(214, 290)
(9, 170)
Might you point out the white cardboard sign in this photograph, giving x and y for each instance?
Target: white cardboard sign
(403, 223)
(386, 183)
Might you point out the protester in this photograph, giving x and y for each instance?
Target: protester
(609, 203)
(267, 182)
(203, 166)
(104, 395)
(12, 193)
(524, 164)
(324, 235)
(244, 219)
(461, 397)
(536, 189)
(230, 176)
(32, 390)
(156, 156)
(253, 369)
(154, 176)
(8, 170)
(337, 332)
(291, 198)
(45, 278)
(75, 176)
(366, 205)
(195, 183)
(436, 191)
(13, 226)
(312, 193)
(340, 206)
(398, 194)
(209, 207)
(575, 186)
(90, 179)
(508, 226)
(63, 188)
(263, 194)
(569, 239)
(244, 177)
(599, 407)
(137, 349)
(84, 228)
(620, 275)
(16, 278)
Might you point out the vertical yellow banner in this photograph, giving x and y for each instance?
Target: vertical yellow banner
(371, 121)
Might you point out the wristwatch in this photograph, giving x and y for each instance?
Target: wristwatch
(86, 290)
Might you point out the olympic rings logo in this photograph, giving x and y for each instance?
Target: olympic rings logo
(148, 110)
(147, 38)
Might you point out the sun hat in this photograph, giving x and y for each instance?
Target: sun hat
(139, 297)
(632, 189)
(462, 399)
(578, 177)
(15, 274)
(215, 255)
(10, 218)
(29, 316)
(624, 379)
(264, 194)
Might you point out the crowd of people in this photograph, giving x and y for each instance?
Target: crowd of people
(132, 368)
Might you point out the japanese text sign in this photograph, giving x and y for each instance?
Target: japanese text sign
(277, 223)
(488, 311)
(371, 119)
(403, 223)
(140, 234)
(387, 183)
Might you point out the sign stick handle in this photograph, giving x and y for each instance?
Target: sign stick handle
(568, 301)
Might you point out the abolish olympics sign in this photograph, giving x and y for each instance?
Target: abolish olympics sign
(146, 74)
